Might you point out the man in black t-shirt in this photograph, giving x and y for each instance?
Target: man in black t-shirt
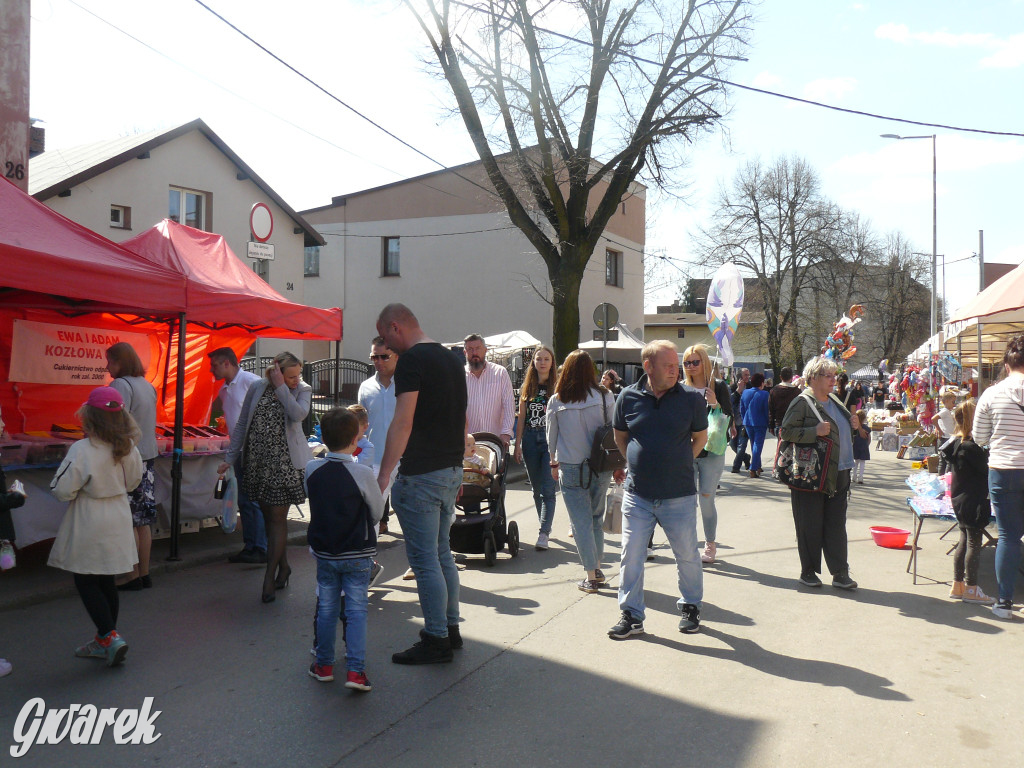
(428, 434)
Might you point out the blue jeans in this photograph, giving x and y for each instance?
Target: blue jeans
(757, 435)
(425, 505)
(335, 578)
(707, 471)
(741, 448)
(678, 518)
(538, 466)
(1006, 489)
(254, 533)
(586, 510)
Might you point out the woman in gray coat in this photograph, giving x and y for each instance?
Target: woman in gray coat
(269, 452)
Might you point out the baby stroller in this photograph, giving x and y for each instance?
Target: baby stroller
(480, 525)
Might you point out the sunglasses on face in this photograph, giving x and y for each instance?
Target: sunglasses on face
(691, 363)
(382, 358)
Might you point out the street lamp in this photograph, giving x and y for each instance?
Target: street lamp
(935, 247)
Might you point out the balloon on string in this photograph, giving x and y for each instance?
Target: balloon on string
(724, 306)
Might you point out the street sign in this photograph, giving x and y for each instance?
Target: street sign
(261, 222)
(606, 311)
(263, 251)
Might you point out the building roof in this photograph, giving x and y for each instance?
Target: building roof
(688, 319)
(57, 170)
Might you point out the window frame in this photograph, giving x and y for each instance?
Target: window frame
(125, 216)
(613, 268)
(385, 263)
(206, 197)
(311, 261)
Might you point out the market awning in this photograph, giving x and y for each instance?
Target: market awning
(223, 292)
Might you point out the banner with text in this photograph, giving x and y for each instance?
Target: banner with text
(53, 353)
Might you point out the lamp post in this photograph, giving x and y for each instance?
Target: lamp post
(935, 247)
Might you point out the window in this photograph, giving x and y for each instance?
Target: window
(390, 252)
(311, 261)
(680, 333)
(186, 206)
(613, 268)
(120, 217)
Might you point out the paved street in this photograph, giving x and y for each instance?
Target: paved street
(892, 674)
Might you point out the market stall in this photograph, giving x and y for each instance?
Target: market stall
(67, 294)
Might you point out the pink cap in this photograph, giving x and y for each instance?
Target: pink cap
(105, 398)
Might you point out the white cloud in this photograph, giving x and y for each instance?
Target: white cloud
(766, 80)
(829, 88)
(1005, 53)
(910, 158)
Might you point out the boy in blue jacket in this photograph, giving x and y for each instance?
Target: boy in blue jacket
(345, 505)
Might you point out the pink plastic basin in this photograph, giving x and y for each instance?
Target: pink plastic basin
(893, 538)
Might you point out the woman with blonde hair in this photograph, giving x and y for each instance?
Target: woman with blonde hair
(707, 467)
(532, 440)
(575, 412)
(269, 451)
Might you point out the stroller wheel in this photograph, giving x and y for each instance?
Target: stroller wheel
(513, 538)
(490, 551)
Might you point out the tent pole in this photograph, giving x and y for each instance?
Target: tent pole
(179, 418)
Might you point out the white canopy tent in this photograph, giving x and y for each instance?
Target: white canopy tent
(988, 320)
(624, 349)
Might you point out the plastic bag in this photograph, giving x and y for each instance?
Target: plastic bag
(7, 560)
(718, 432)
(229, 503)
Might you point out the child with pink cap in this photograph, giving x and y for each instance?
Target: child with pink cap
(95, 540)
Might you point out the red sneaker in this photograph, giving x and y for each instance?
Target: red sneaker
(322, 672)
(358, 681)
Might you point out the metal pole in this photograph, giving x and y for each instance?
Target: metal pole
(179, 419)
(604, 346)
(981, 287)
(935, 252)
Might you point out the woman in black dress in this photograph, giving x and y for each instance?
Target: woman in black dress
(269, 451)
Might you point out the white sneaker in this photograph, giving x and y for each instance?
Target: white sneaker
(650, 553)
(710, 550)
(408, 575)
(1003, 609)
(542, 542)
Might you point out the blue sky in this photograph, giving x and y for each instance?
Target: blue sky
(954, 63)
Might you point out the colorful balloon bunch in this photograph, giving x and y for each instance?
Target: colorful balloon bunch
(839, 344)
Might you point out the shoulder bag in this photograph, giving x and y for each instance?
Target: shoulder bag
(605, 455)
(804, 466)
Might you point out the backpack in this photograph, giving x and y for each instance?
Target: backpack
(605, 455)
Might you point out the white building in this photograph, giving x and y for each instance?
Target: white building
(444, 246)
(122, 187)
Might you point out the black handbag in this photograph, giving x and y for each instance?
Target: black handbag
(605, 455)
(804, 466)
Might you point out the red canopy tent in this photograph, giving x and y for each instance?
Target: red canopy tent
(60, 273)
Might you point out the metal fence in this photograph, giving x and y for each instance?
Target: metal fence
(334, 382)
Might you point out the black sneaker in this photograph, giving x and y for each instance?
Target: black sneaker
(843, 581)
(690, 622)
(375, 571)
(628, 625)
(429, 650)
(1003, 609)
(454, 636)
(248, 556)
(810, 579)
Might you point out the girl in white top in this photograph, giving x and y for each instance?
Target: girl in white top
(95, 539)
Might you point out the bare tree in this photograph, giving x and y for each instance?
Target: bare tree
(900, 300)
(584, 98)
(775, 223)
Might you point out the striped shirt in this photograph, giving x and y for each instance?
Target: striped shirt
(491, 404)
(999, 422)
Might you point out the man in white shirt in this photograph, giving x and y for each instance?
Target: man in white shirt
(224, 367)
(491, 404)
(377, 396)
